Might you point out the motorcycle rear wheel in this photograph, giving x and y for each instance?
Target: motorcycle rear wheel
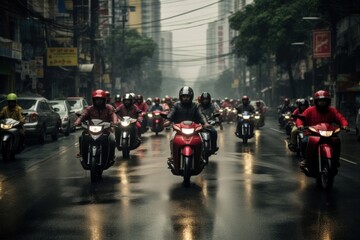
(325, 180)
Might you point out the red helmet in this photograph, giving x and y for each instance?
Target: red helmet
(157, 100)
(99, 94)
(321, 94)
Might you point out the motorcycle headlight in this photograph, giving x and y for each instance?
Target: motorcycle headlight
(326, 133)
(125, 124)
(257, 117)
(150, 115)
(187, 131)
(246, 117)
(6, 126)
(95, 129)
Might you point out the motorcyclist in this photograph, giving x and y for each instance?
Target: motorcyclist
(302, 105)
(226, 103)
(284, 108)
(185, 110)
(245, 106)
(14, 111)
(208, 109)
(117, 102)
(169, 101)
(149, 102)
(259, 106)
(321, 112)
(157, 105)
(128, 108)
(99, 110)
(140, 103)
(311, 101)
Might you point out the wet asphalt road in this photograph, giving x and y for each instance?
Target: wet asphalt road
(248, 191)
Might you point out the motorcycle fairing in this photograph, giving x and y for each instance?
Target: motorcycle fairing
(187, 151)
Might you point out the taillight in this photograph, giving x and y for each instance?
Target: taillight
(33, 117)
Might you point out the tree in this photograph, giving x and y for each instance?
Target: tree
(268, 28)
(127, 51)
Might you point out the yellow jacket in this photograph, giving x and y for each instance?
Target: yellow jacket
(15, 113)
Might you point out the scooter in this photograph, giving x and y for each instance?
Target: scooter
(322, 154)
(125, 136)
(244, 125)
(97, 154)
(10, 138)
(156, 121)
(213, 120)
(187, 151)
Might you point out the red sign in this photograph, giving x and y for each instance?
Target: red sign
(322, 44)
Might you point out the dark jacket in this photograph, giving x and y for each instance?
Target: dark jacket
(242, 108)
(189, 112)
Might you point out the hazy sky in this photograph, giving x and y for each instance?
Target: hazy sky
(189, 31)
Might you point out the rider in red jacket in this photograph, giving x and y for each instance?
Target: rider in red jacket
(321, 112)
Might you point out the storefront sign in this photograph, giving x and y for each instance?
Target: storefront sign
(62, 57)
(322, 43)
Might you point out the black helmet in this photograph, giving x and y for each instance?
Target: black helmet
(303, 102)
(205, 96)
(118, 98)
(245, 100)
(186, 91)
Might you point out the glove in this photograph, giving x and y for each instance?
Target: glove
(346, 128)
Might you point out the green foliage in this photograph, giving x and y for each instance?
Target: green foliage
(129, 47)
(269, 27)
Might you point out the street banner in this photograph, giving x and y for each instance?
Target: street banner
(321, 44)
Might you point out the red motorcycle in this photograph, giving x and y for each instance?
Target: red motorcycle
(156, 121)
(188, 151)
(322, 154)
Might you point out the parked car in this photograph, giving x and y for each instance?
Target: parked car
(40, 119)
(62, 107)
(78, 104)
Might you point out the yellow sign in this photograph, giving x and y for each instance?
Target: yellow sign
(62, 57)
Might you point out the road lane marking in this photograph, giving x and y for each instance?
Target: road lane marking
(276, 130)
(346, 160)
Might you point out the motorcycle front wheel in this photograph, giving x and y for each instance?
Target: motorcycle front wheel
(125, 148)
(7, 154)
(187, 171)
(95, 169)
(325, 180)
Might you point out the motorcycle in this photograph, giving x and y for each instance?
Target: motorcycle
(258, 120)
(187, 151)
(213, 120)
(322, 154)
(10, 138)
(244, 125)
(96, 152)
(284, 119)
(125, 136)
(156, 121)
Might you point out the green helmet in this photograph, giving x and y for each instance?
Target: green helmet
(11, 97)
